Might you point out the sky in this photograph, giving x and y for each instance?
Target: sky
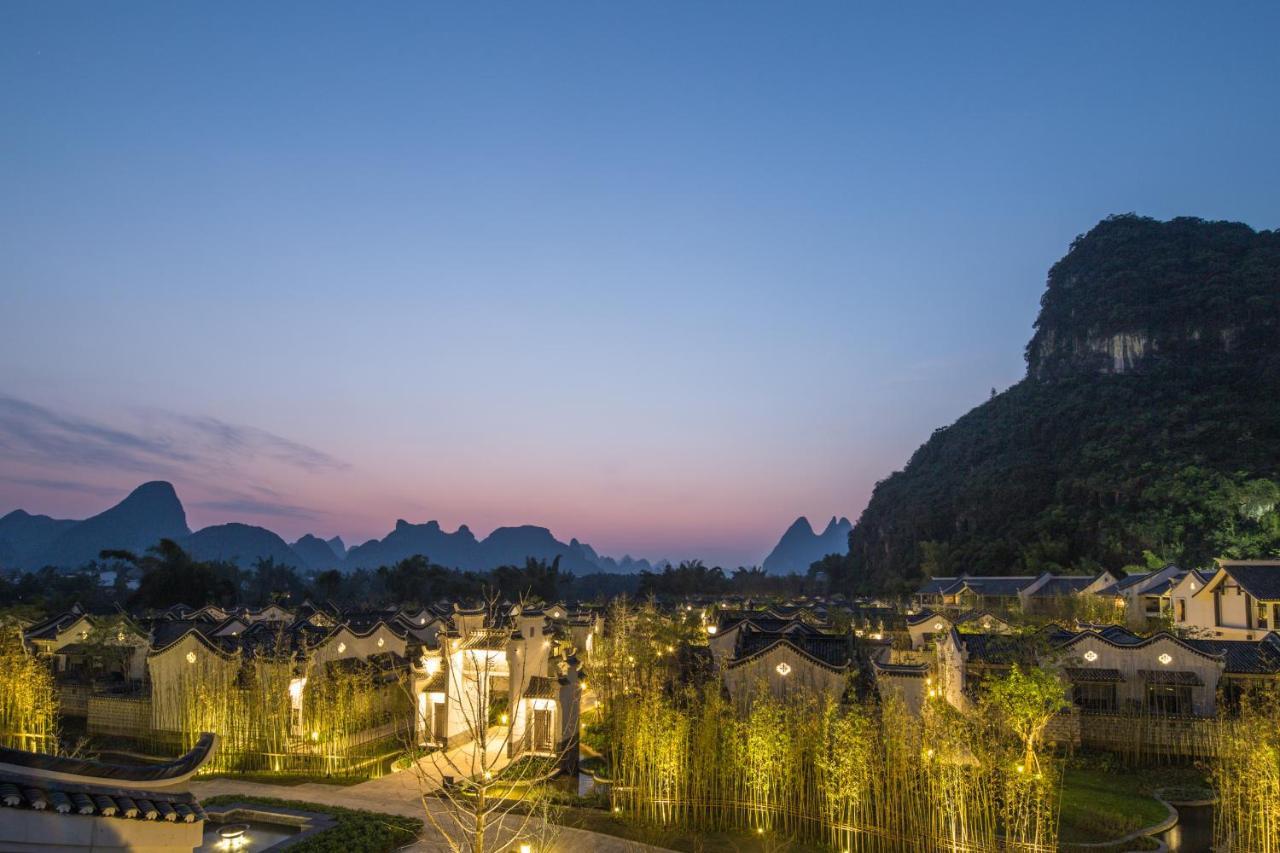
(658, 276)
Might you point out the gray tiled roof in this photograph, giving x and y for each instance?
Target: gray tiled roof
(1092, 675)
(1120, 635)
(1000, 587)
(1244, 657)
(1000, 649)
(1260, 580)
(1063, 585)
(1166, 676)
(51, 627)
(29, 792)
(542, 687)
(833, 650)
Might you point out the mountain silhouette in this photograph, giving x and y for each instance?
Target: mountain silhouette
(458, 549)
(23, 536)
(317, 553)
(800, 546)
(461, 549)
(153, 512)
(242, 544)
(150, 513)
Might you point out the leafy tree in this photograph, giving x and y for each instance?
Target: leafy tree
(171, 576)
(1026, 702)
(272, 582)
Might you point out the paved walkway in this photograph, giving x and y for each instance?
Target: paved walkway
(405, 793)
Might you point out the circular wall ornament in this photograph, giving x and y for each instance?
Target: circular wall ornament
(783, 668)
(342, 647)
(937, 626)
(381, 642)
(1165, 659)
(191, 657)
(1091, 656)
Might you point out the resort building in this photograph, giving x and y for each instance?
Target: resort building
(1025, 594)
(784, 656)
(1241, 601)
(789, 663)
(924, 627)
(486, 675)
(318, 690)
(1113, 670)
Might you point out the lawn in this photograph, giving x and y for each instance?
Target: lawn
(1099, 805)
(686, 841)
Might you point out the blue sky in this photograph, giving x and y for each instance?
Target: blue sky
(661, 276)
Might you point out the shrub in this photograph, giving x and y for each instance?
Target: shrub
(356, 831)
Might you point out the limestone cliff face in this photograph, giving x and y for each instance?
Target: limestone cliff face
(1133, 290)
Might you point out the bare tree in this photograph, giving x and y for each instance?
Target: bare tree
(481, 784)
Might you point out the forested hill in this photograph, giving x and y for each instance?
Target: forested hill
(1149, 421)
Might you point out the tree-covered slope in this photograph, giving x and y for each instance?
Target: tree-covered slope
(1149, 421)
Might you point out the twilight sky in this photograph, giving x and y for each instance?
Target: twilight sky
(661, 276)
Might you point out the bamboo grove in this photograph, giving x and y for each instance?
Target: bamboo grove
(345, 726)
(1246, 774)
(28, 698)
(860, 777)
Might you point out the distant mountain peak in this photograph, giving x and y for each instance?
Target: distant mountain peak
(148, 514)
(800, 546)
(800, 526)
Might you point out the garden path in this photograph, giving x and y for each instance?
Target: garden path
(401, 793)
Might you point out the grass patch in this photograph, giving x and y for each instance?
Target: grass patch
(357, 831)
(686, 841)
(1099, 805)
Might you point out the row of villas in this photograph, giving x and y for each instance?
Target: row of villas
(428, 675)
(1156, 691)
(1239, 599)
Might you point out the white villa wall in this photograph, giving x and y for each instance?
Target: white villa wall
(1131, 694)
(928, 631)
(1192, 612)
(804, 676)
(25, 830)
(169, 667)
(343, 644)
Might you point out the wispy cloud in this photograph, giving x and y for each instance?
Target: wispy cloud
(64, 486)
(167, 442)
(252, 507)
(246, 441)
(33, 433)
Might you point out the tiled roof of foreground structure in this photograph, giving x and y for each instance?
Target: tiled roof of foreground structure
(73, 786)
(19, 791)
